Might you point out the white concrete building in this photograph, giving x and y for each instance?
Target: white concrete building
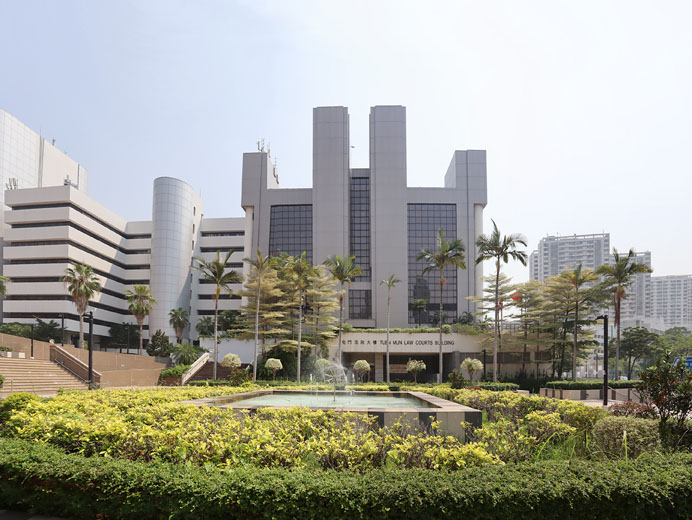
(672, 300)
(367, 212)
(52, 228)
(556, 254)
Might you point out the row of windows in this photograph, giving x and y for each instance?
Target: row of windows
(80, 210)
(224, 296)
(67, 261)
(86, 232)
(57, 316)
(223, 233)
(83, 248)
(66, 297)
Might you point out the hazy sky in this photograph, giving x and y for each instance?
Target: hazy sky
(583, 107)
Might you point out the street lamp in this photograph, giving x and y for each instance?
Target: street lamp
(605, 357)
(62, 328)
(91, 350)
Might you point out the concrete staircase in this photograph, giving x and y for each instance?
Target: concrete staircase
(36, 376)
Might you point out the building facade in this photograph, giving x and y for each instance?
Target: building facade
(373, 214)
(672, 300)
(367, 212)
(556, 254)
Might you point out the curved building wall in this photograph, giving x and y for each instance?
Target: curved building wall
(176, 219)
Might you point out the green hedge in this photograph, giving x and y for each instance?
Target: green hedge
(591, 384)
(175, 371)
(43, 480)
(2, 380)
(496, 387)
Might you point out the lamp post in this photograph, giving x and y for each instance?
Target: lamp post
(605, 357)
(32, 341)
(91, 350)
(62, 329)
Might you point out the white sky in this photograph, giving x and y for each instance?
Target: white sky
(583, 106)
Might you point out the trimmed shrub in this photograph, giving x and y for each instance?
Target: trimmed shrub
(175, 371)
(5, 349)
(591, 384)
(14, 403)
(231, 361)
(44, 480)
(632, 409)
(361, 367)
(626, 437)
(497, 387)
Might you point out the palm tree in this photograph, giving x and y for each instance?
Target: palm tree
(261, 266)
(215, 271)
(82, 284)
(501, 249)
(619, 277)
(302, 271)
(344, 270)
(389, 282)
(141, 303)
(205, 326)
(578, 278)
(178, 319)
(419, 305)
(447, 254)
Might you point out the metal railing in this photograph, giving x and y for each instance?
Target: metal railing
(194, 368)
(76, 367)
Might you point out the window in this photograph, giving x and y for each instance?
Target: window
(290, 230)
(424, 222)
(360, 304)
(359, 230)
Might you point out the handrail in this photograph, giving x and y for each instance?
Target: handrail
(59, 355)
(194, 368)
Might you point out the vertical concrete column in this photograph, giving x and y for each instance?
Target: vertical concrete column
(176, 217)
(330, 182)
(389, 211)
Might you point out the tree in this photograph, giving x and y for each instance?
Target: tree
(497, 292)
(501, 249)
(447, 255)
(389, 282)
(231, 361)
(186, 354)
(274, 365)
(581, 296)
(618, 277)
(229, 321)
(361, 367)
(344, 270)
(414, 366)
(159, 345)
(215, 271)
(471, 366)
(141, 302)
(419, 305)
(302, 271)
(272, 308)
(528, 297)
(82, 284)
(205, 327)
(260, 267)
(636, 343)
(323, 303)
(123, 333)
(179, 319)
(47, 330)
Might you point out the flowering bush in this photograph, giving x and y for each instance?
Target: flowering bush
(668, 387)
(456, 380)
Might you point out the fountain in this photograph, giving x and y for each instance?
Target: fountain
(414, 408)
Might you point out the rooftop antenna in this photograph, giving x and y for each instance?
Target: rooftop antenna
(260, 145)
(269, 148)
(11, 183)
